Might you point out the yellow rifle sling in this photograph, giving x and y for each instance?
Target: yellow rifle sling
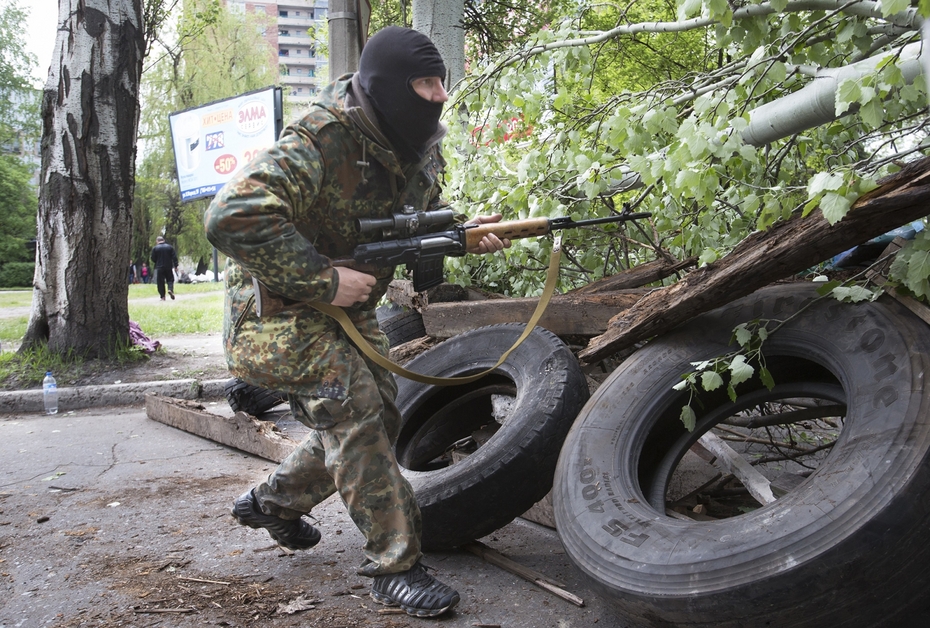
(342, 318)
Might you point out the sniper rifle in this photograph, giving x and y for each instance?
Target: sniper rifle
(408, 240)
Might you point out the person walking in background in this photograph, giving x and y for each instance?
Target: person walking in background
(132, 273)
(144, 272)
(165, 262)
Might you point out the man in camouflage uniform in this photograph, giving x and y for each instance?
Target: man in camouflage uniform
(368, 147)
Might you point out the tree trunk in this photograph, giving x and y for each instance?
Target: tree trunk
(441, 21)
(90, 113)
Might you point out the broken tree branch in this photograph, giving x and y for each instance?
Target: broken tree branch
(783, 250)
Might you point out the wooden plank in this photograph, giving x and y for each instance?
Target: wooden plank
(756, 483)
(567, 314)
(241, 431)
(786, 248)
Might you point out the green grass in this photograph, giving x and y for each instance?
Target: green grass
(15, 297)
(202, 312)
(29, 368)
(194, 315)
(141, 290)
(13, 329)
(197, 309)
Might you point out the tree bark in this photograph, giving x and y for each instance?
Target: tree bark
(90, 114)
(786, 248)
(441, 21)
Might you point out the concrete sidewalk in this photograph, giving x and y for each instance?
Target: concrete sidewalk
(81, 397)
(108, 518)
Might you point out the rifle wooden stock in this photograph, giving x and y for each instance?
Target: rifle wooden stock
(510, 230)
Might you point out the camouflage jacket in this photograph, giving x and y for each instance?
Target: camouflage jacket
(287, 213)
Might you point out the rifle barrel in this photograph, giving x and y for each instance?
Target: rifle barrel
(571, 224)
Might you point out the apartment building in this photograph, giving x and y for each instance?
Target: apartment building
(303, 69)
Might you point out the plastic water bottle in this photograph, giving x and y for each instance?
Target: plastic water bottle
(50, 393)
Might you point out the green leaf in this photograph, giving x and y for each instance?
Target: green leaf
(890, 7)
(853, 294)
(743, 335)
(918, 269)
(688, 418)
(834, 206)
(688, 8)
(767, 380)
(873, 113)
(710, 380)
(708, 256)
(740, 370)
(824, 182)
(828, 287)
(847, 93)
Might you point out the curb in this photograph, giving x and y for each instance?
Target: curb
(79, 397)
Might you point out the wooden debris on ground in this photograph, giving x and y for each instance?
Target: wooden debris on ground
(242, 431)
(785, 249)
(496, 558)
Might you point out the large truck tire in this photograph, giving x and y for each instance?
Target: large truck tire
(848, 545)
(403, 327)
(478, 455)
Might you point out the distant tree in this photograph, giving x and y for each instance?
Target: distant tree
(19, 113)
(19, 133)
(216, 54)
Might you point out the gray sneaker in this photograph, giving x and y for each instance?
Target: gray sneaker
(415, 591)
(294, 534)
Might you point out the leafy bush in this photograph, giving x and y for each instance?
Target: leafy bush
(17, 274)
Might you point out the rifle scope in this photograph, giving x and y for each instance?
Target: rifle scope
(407, 223)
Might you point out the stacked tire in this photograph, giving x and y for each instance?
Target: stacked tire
(849, 546)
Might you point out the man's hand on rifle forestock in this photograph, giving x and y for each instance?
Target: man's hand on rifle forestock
(489, 243)
(354, 287)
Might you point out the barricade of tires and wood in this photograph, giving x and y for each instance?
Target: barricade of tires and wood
(800, 501)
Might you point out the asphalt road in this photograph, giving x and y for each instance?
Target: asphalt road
(108, 518)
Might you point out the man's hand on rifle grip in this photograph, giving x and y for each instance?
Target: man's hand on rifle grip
(489, 243)
(354, 287)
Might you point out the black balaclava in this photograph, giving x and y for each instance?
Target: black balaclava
(391, 59)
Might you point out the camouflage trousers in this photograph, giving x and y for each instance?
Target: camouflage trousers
(351, 451)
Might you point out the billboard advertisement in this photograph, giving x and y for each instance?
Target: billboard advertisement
(213, 141)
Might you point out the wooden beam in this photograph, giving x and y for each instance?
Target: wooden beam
(786, 248)
(567, 314)
(756, 483)
(241, 431)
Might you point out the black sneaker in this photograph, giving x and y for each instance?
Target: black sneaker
(294, 534)
(415, 591)
(171, 294)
